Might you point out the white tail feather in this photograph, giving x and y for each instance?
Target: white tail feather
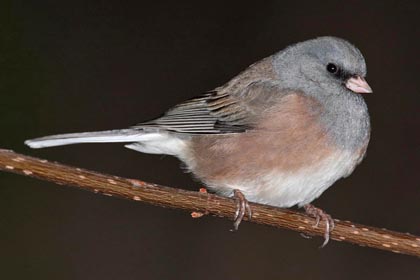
(141, 141)
(110, 136)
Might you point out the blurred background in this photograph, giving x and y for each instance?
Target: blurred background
(93, 65)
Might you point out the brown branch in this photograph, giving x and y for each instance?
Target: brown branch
(383, 239)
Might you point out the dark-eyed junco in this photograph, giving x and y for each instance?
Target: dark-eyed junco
(280, 133)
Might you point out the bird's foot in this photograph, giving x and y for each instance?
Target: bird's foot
(242, 207)
(319, 215)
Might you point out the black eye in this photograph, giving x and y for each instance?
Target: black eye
(332, 68)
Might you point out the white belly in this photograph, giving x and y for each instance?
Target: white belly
(286, 189)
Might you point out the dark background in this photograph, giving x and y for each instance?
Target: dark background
(77, 66)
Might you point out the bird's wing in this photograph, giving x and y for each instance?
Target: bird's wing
(219, 111)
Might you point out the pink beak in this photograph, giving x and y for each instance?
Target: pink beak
(358, 84)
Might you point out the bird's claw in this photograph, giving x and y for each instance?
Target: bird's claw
(242, 207)
(319, 215)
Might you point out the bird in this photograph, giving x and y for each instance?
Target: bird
(279, 133)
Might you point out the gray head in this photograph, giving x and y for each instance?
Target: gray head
(322, 66)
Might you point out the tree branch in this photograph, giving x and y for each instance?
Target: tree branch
(396, 242)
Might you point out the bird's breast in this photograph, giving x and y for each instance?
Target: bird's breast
(347, 121)
(289, 158)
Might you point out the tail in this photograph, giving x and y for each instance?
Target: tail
(151, 142)
(109, 136)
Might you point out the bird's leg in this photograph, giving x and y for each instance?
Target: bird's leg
(319, 214)
(242, 207)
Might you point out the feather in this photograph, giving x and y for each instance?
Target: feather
(109, 136)
(217, 112)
